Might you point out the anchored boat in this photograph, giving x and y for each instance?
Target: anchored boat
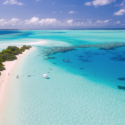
(45, 76)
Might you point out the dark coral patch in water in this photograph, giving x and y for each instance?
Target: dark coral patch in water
(121, 87)
(118, 58)
(50, 58)
(86, 60)
(80, 56)
(107, 48)
(122, 79)
(87, 52)
(46, 51)
(96, 53)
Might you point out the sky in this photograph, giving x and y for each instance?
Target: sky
(62, 14)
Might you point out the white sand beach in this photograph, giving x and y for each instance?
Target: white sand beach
(38, 42)
(9, 65)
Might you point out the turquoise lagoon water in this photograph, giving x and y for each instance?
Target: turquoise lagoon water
(81, 92)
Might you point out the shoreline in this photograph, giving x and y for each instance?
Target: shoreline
(40, 42)
(9, 65)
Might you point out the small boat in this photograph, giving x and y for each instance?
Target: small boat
(45, 76)
(65, 60)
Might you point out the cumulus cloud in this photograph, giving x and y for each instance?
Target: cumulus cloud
(101, 21)
(77, 24)
(120, 12)
(118, 22)
(2, 21)
(99, 2)
(37, 21)
(88, 3)
(33, 20)
(12, 2)
(53, 22)
(13, 21)
(70, 12)
(48, 21)
(122, 4)
(69, 21)
(89, 21)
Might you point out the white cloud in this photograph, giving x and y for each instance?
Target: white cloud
(37, 21)
(69, 21)
(6, 2)
(74, 24)
(118, 22)
(99, 2)
(122, 4)
(33, 20)
(48, 21)
(106, 21)
(120, 12)
(13, 21)
(53, 22)
(2, 21)
(78, 24)
(101, 21)
(88, 3)
(72, 12)
(12, 2)
(89, 21)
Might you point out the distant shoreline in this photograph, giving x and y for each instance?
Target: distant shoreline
(72, 29)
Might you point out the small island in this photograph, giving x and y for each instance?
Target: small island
(9, 54)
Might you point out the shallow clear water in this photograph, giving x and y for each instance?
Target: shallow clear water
(82, 91)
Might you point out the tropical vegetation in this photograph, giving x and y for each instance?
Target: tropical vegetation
(9, 54)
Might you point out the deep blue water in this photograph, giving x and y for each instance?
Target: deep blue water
(94, 64)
